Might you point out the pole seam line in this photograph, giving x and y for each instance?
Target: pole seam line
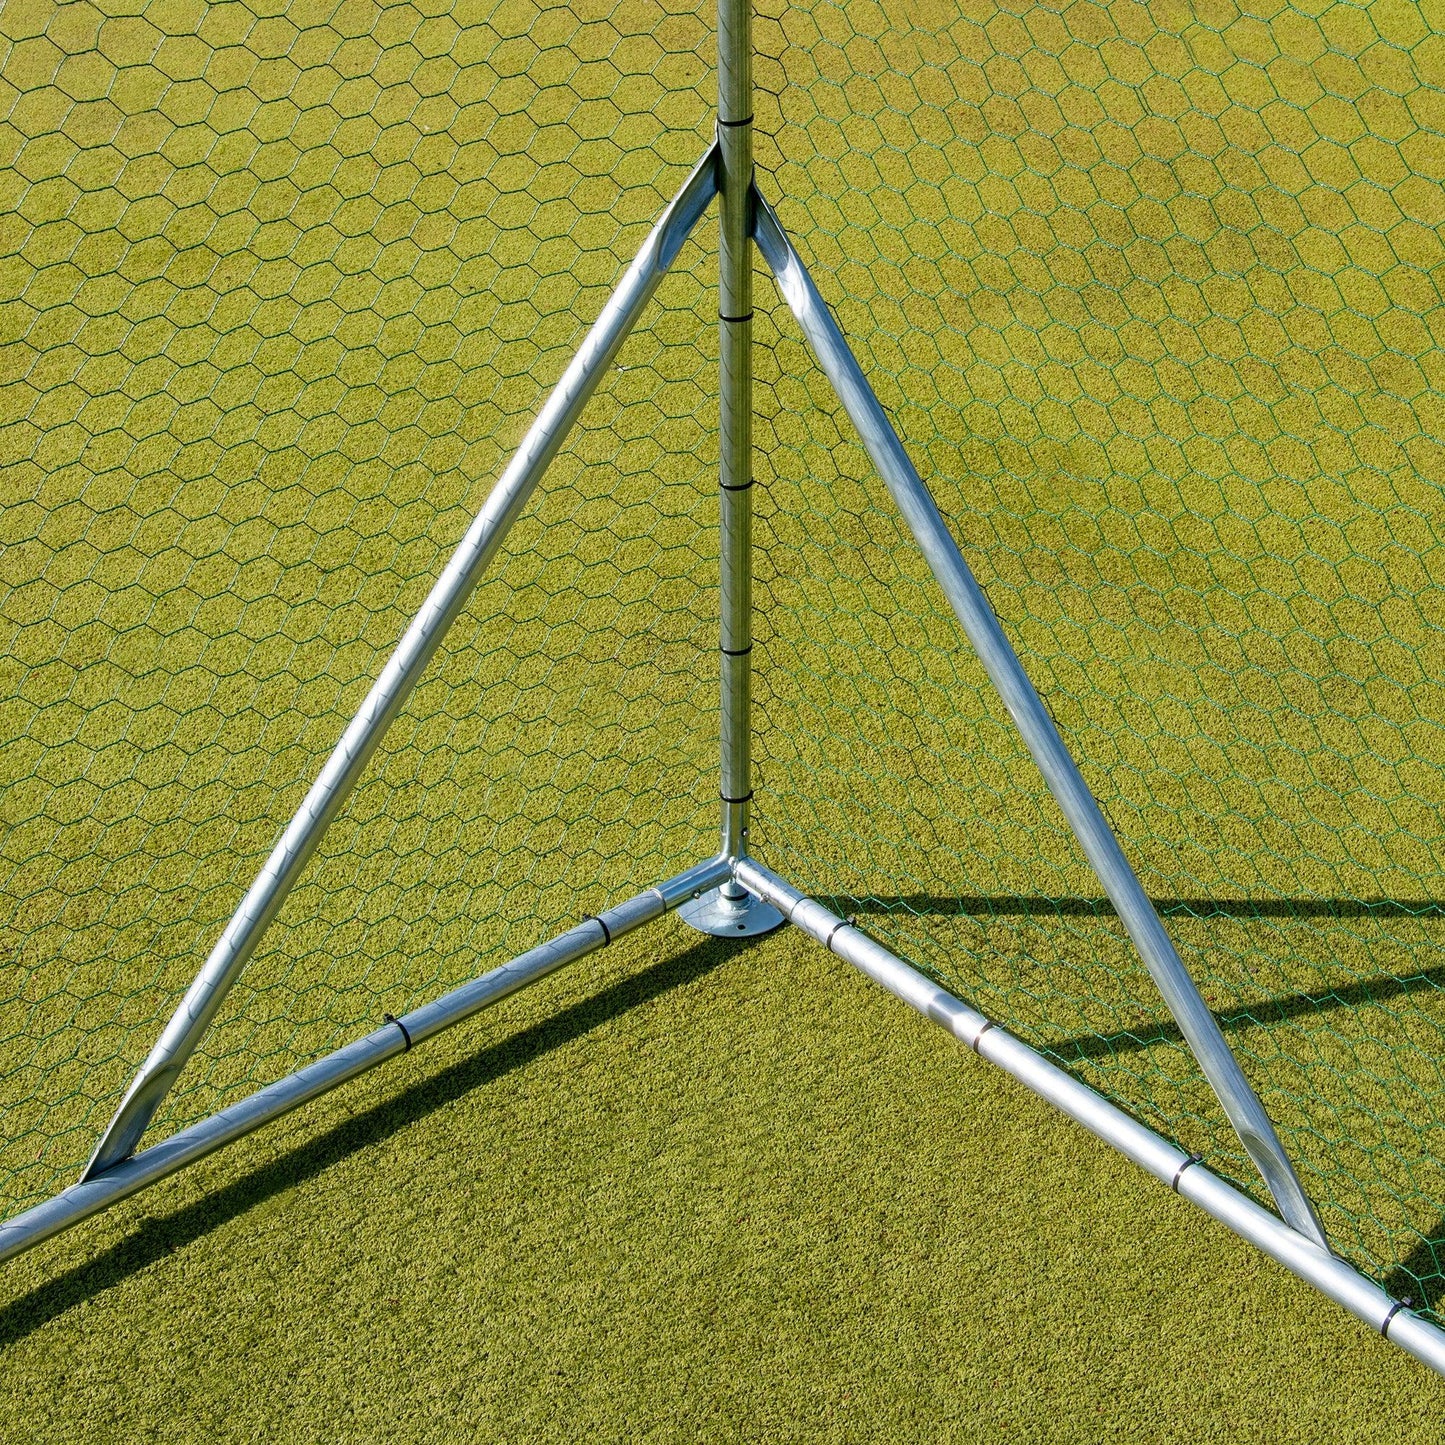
(786, 905)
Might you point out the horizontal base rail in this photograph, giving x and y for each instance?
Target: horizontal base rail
(1165, 1161)
(1181, 1172)
(129, 1176)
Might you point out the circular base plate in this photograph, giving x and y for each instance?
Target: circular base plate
(730, 918)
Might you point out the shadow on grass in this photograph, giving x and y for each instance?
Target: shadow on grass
(1267, 1011)
(1005, 906)
(1420, 1276)
(157, 1238)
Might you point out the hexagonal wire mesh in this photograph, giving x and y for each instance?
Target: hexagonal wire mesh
(281, 292)
(1152, 292)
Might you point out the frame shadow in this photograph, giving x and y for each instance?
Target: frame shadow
(1420, 1276)
(158, 1237)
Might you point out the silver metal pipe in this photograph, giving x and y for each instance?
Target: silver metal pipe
(731, 911)
(735, 403)
(443, 605)
(1061, 774)
(1181, 1172)
(131, 1175)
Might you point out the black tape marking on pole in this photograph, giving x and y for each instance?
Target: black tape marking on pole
(1189, 1163)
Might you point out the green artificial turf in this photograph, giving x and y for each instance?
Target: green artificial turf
(1153, 298)
(686, 1191)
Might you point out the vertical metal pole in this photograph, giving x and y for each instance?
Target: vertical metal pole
(735, 311)
(732, 910)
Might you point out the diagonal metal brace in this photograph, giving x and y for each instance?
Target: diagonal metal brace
(396, 1036)
(443, 605)
(1198, 1025)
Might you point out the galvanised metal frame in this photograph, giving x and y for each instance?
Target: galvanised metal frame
(731, 910)
(731, 894)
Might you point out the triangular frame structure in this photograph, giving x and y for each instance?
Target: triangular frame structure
(731, 893)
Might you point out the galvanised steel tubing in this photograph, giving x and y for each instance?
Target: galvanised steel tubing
(1181, 1172)
(447, 598)
(80, 1201)
(1060, 772)
(735, 413)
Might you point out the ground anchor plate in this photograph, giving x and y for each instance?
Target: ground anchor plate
(715, 913)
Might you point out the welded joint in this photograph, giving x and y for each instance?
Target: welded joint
(694, 882)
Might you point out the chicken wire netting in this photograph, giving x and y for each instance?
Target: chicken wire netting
(282, 287)
(1152, 293)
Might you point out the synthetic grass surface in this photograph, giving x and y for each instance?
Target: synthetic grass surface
(684, 1191)
(1155, 313)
